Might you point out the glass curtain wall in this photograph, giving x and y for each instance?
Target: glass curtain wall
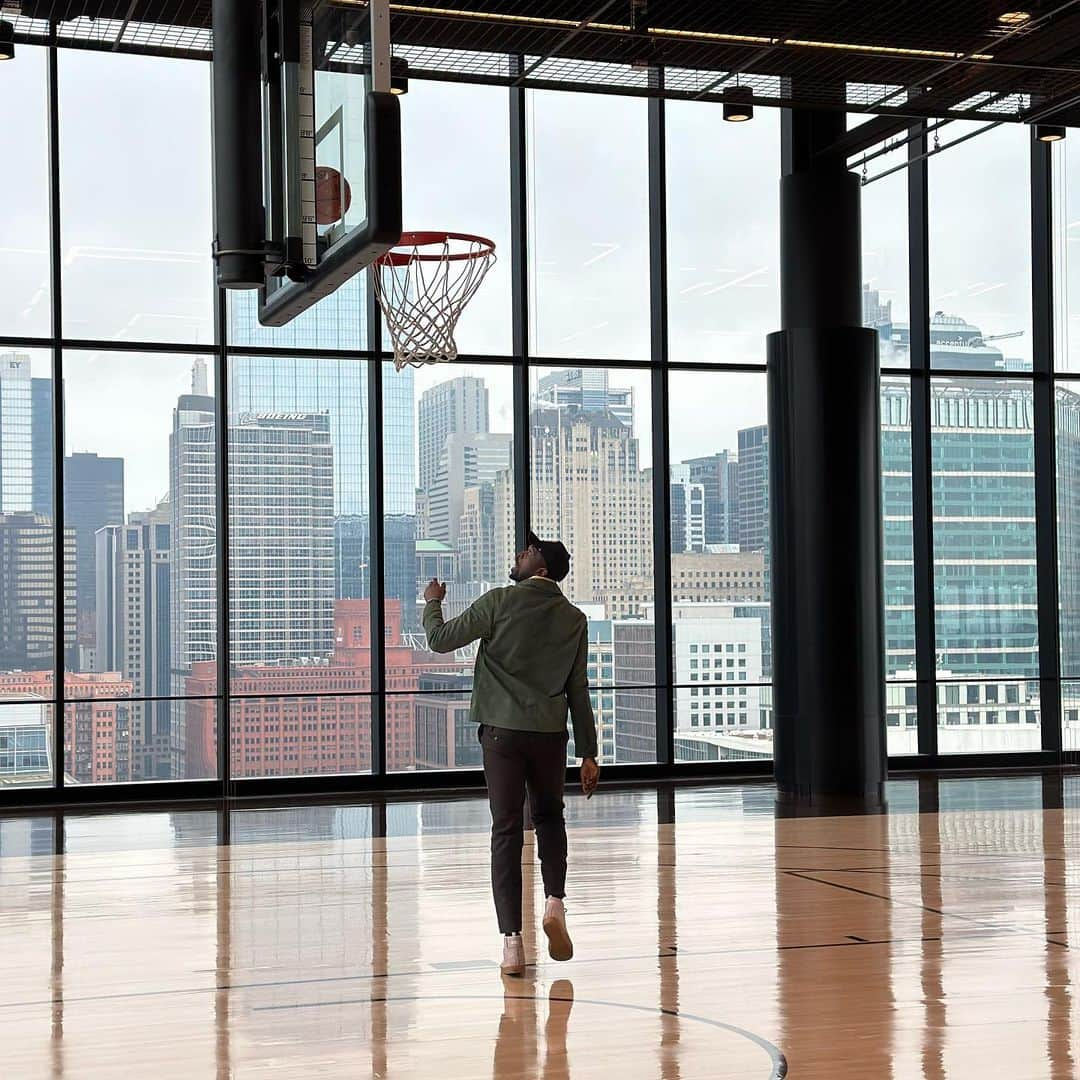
(885, 308)
(982, 447)
(1066, 204)
(205, 523)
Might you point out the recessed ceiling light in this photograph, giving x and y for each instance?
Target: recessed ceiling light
(1049, 132)
(1014, 18)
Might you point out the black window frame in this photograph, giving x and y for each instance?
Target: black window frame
(1042, 377)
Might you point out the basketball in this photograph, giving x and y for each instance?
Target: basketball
(330, 188)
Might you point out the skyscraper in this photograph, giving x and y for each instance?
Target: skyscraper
(134, 627)
(27, 594)
(985, 590)
(718, 475)
(875, 314)
(687, 512)
(339, 388)
(589, 490)
(467, 459)
(476, 535)
(982, 447)
(753, 474)
(455, 406)
(399, 568)
(281, 537)
(93, 498)
(352, 557)
(199, 377)
(338, 321)
(193, 502)
(16, 438)
(588, 389)
(41, 469)
(336, 387)
(504, 525)
(352, 561)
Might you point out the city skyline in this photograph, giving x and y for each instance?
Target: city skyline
(187, 514)
(467, 507)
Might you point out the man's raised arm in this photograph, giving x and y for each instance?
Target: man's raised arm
(473, 624)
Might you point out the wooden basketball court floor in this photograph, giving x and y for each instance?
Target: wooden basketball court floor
(714, 940)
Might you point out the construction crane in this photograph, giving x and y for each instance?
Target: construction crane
(983, 339)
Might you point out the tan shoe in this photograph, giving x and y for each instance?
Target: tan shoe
(560, 947)
(513, 961)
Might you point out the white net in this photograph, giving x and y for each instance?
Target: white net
(423, 285)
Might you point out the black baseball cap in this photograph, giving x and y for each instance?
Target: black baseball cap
(555, 555)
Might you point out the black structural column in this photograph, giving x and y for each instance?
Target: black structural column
(238, 179)
(824, 461)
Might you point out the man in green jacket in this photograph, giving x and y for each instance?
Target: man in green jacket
(530, 669)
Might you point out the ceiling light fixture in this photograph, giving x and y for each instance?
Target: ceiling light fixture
(738, 104)
(887, 50)
(7, 40)
(1014, 18)
(1049, 132)
(540, 22)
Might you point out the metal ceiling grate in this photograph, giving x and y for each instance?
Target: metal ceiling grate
(947, 59)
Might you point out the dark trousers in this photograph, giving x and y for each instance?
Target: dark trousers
(517, 763)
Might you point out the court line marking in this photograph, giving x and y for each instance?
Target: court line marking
(776, 1057)
(971, 920)
(667, 952)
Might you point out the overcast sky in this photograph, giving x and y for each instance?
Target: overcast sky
(136, 199)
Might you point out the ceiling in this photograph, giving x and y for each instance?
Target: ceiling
(906, 57)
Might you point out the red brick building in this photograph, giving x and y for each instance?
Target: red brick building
(97, 733)
(293, 720)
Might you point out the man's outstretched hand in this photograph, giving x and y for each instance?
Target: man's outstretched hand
(434, 591)
(590, 776)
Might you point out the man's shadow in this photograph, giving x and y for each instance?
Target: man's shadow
(517, 1046)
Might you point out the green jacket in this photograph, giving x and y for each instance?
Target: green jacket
(532, 663)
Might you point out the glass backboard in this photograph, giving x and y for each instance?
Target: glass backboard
(332, 148)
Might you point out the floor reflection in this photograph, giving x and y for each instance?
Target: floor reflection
(348, 940)
(373, 817)
(931, 955)
(834, 938)
(1060, 834)
(519, 1050)
(86, 832)
(56, 974)
(667, 947)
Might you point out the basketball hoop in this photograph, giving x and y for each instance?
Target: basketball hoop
(423, 284)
